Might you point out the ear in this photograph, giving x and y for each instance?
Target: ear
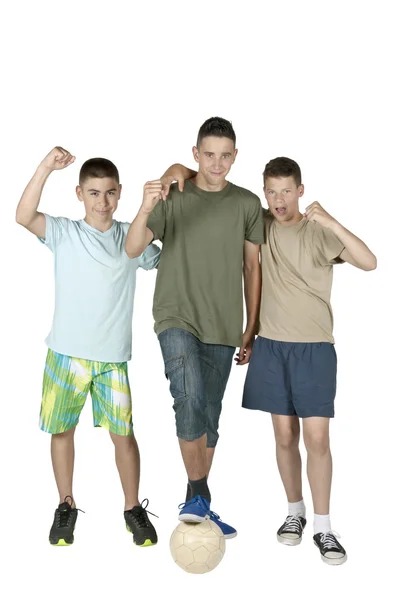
(235, 155)
(79, 193)
(264, 188)
(301, 190)
(195, 152)
(120, 190)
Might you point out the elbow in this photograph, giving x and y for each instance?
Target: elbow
(131, 252)
(371, 264)
(20, 220)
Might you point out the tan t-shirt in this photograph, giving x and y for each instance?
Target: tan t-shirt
(297, 269)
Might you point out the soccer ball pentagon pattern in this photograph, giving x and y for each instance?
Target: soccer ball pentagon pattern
(197, 547)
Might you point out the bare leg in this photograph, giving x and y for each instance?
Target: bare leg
(319, 462)
(287, 436)
(63, 459)
(194, 455)
(128, 464)
(210, 456)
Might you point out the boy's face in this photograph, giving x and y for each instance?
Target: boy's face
(283, 195)
(100, 197)
(215, 156)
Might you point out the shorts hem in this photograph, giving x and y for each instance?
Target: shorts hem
(190, 437)
(114, 430)
(55, 430)
(271, 412)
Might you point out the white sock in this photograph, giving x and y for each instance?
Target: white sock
(296, 508)
(322, 524)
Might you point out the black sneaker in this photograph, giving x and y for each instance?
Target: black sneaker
(332, 552)
(138, 523)
(61, 533)
(291, 532)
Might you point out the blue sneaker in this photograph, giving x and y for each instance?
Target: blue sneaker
(195, 510)
(228, 531)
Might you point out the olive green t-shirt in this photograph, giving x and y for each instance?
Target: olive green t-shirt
(297, 272)
(199, 281)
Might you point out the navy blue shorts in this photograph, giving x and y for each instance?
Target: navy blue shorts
(291, 378)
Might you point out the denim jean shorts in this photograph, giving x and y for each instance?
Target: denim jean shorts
(198, 374)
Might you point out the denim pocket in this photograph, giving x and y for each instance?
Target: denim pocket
(175, 373)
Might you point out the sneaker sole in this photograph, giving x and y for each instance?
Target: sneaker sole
(61, 543)
(288, 541)
(230, 536)
(191, 518)
(145, 544)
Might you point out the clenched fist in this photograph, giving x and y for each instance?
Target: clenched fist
(315, 212)
(57, 159)
(153, 192)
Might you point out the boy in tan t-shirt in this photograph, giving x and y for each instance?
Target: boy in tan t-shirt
(292, 371)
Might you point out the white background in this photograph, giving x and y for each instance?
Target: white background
(310, 80)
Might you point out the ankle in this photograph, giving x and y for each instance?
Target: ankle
(297, 509)
(322, 524)
(131, 505)
(68, 499)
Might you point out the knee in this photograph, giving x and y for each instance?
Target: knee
(123, 442)
(65, 435)
(287, 439)
(317, 444)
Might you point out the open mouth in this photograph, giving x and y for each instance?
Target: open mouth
(281, 210)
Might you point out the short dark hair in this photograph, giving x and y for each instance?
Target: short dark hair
(98, 168)
(217, 127)
(283, 167)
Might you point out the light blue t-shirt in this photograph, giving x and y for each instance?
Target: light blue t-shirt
(94, 289)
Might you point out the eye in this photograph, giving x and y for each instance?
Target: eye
(94, 193)
(111, 193)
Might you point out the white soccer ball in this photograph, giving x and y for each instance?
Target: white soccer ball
(197, 547)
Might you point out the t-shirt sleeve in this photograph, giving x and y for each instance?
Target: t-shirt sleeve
(55, 228)
(157, 220)
(149, 259)
(328, 247)
(254, 230)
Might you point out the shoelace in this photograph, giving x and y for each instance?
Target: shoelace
(194, 500)
(328, 540)
(293, 524)
(214, 515)
(139, 514)
(63, 516)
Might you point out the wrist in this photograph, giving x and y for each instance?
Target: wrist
(144, 212)
(251, 329)
(43, 171)
(336, 227)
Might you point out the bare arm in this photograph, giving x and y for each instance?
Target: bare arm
(139, 235)
(356, 251)
(252, 286)
(27, 214)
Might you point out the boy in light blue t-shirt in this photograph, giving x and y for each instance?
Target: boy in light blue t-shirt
(90, 339)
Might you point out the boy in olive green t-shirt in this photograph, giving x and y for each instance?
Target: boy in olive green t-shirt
(208, 232)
